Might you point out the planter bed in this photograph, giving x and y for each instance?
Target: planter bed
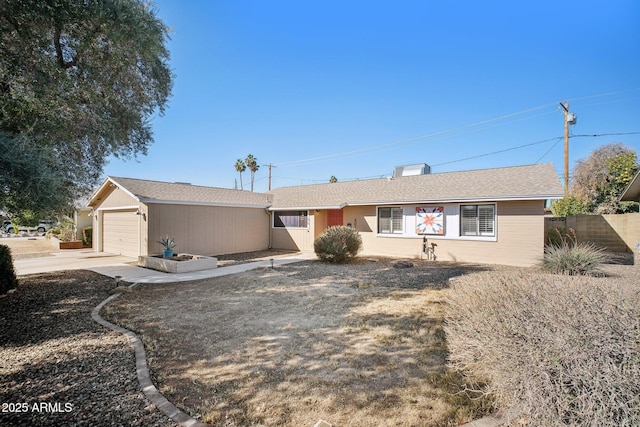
(74, 244)
(179, 263)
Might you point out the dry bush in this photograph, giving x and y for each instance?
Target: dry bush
(557, 350)
(338, 244)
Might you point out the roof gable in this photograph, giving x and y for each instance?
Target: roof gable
(148, 191)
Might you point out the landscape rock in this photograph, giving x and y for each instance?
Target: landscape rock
(402, 264)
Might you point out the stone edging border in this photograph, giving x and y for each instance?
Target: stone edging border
(181, 418)
(148, 388)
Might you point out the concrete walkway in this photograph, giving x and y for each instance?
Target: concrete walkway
(134, 274)
(81, 259)
(117, 265)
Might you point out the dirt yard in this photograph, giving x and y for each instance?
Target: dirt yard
(358, 344)
(25, 247)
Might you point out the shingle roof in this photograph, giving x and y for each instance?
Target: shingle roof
(166, 192)
(532, 182)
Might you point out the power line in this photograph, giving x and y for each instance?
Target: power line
(548, 151)
(605, 134)
(447, 131)
(403, 141)
(557, 139)
(499, 151)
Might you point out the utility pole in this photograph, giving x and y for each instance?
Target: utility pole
(569, 119)
(270, 166)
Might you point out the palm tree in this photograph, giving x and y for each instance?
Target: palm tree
(241, 167)
(252, 164)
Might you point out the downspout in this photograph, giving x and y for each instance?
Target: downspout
(268, 212)
(139, 214)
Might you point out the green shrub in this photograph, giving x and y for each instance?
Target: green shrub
(337, 244)
(65, 230)
(8, 278)
(555, 350)
(87, 236)
(574, 258)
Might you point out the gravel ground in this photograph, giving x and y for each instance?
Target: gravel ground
(58, 367)
(356, 344)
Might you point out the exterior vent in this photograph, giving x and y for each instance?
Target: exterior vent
(182, 183)
(409, 170)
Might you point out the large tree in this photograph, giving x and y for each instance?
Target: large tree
(253, 166)
(599, 179)
(79, 82)
(240, 167)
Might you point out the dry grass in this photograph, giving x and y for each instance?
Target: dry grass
(34, 245)
(555, 350)
(358, 344)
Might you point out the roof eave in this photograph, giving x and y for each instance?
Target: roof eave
(456, 200)
(188, 202)
(424, 201)
(632, 192)
(306, 208)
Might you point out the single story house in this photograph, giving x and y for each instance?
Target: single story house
(493, 216)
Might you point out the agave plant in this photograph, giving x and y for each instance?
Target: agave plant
(168, 242)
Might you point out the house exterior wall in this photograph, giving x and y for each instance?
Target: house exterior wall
(298, 239)
(83, 219)
(207, 230)
(518, 239)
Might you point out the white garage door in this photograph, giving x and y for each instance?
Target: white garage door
(120, 232)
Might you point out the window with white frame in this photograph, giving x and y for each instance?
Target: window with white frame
(477, 220)
(390, 220)
(291, 219)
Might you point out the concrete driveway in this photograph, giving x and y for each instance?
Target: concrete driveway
(83, 259)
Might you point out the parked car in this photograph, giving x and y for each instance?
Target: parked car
(45, 225)
(42, 227)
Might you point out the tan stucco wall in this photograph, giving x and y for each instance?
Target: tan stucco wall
(298, 239)
(84, 219)
(519, 240)
(207, 230)
(519, 237)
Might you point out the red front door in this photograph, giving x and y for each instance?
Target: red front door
(334, 217)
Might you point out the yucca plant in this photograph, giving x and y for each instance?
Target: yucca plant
(574, 259)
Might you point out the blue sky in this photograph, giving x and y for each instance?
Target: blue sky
(354, 88)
